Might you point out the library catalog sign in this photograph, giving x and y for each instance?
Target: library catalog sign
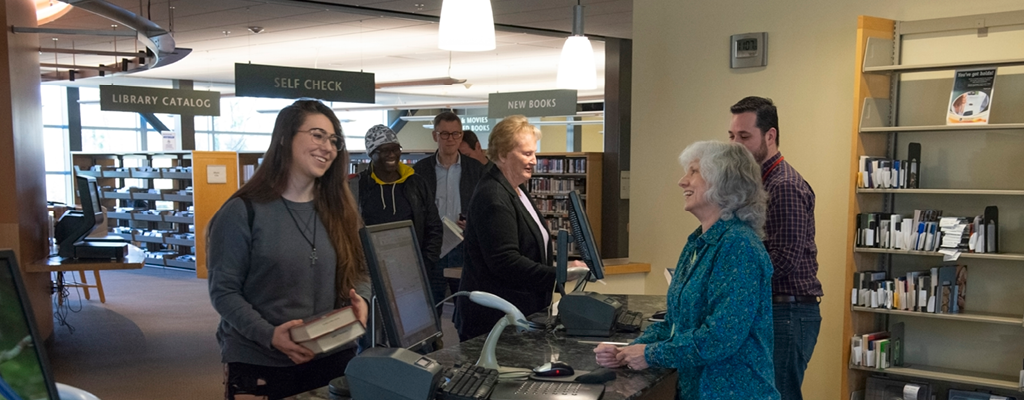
(542, 103)
(254, 80)
(163, 101)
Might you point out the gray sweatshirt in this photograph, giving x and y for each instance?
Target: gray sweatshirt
(263, 278)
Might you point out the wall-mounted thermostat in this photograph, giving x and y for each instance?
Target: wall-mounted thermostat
(749, 50)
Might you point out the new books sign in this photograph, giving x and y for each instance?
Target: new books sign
(254, 80)
(541, 103)
(163, 101)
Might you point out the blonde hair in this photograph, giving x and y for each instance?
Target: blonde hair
(506, 134)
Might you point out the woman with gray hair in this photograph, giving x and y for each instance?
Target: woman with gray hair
(718, 331)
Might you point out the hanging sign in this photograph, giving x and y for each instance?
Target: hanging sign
(542, 103)
(254, 80)
(163, 101)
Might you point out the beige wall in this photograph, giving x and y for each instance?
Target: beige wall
(683, 87)
(554, 136)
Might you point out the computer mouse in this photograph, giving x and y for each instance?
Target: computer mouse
(554, 369)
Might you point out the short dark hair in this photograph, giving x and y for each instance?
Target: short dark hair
(469, 137)
(446, 116)
(767, 115)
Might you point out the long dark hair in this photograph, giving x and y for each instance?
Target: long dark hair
(334, 201)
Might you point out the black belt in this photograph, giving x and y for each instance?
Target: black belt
(794, 299)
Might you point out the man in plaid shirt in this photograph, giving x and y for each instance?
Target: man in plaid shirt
(789, 239)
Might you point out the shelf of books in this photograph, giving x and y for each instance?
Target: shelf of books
(989, 318)
(557, 174)
(148, 199)
(989, 256)
(948, 375)
(989, 192)
(940, 128)
(923, 212)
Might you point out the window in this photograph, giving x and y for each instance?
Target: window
(244, 124)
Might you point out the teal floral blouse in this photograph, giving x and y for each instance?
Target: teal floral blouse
(718, 330)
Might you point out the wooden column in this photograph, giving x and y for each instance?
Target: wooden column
(864, 86)
(23, 221)
(618, 103)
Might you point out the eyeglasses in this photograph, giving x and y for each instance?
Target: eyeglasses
(446, 135)
(320, 137)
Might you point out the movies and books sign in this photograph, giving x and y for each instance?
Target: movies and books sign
(254, 80)
(541, 103)
(163, 101)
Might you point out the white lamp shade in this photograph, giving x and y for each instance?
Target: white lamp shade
(466, 25)
(576, 66)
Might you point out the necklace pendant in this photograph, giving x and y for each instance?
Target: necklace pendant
(312, 257)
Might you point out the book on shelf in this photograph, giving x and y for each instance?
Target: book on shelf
(938, 290)
(971, 97)
(335, 339)
(322, 324)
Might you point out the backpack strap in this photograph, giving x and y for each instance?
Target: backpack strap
(249, 211)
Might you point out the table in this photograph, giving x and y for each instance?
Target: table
(134, 260)
(530, 349)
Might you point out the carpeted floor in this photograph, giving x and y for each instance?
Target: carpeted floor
(153, 338)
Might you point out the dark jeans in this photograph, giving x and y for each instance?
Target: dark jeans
(280, 382)
(796, 333)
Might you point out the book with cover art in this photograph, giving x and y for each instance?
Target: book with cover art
(322, 324)
(335, 339)
(971, 98)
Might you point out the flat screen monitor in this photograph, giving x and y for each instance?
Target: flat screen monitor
(75, 225)
(584, 236)
(24, 368)
(400, 284)
(89, 199)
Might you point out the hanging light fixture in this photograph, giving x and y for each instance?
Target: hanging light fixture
(466, 25)
(576, 66)
(49, 10)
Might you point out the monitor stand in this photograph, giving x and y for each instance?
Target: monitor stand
(588, 314)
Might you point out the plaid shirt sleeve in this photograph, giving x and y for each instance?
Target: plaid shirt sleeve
(789, 230)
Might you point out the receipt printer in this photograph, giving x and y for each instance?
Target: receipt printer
(588, 314)
(392, 374)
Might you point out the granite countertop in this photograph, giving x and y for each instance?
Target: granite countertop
(533, 348)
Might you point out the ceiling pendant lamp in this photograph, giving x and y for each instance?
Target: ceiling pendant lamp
(49, 10)
(576, 67)
(466, 25)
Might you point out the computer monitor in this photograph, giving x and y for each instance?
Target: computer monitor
(75, 225)
(24, 368)
(400, 284)
(584, 238)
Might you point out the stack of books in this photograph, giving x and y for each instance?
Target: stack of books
(326, 332)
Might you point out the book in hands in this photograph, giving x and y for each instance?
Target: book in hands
(452, 236)
(322, 324)
(335, 339)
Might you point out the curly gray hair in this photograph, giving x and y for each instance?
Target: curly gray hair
(733, 178)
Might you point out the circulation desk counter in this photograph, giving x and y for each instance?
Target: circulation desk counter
(530, 349)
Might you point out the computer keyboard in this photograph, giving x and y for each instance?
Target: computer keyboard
(628, 321)
(470, 382)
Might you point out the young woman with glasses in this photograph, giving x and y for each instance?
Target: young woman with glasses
(283, 248)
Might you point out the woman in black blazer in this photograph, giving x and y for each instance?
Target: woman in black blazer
(508, 248)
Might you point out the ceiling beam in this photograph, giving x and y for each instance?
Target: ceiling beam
(93, 52)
